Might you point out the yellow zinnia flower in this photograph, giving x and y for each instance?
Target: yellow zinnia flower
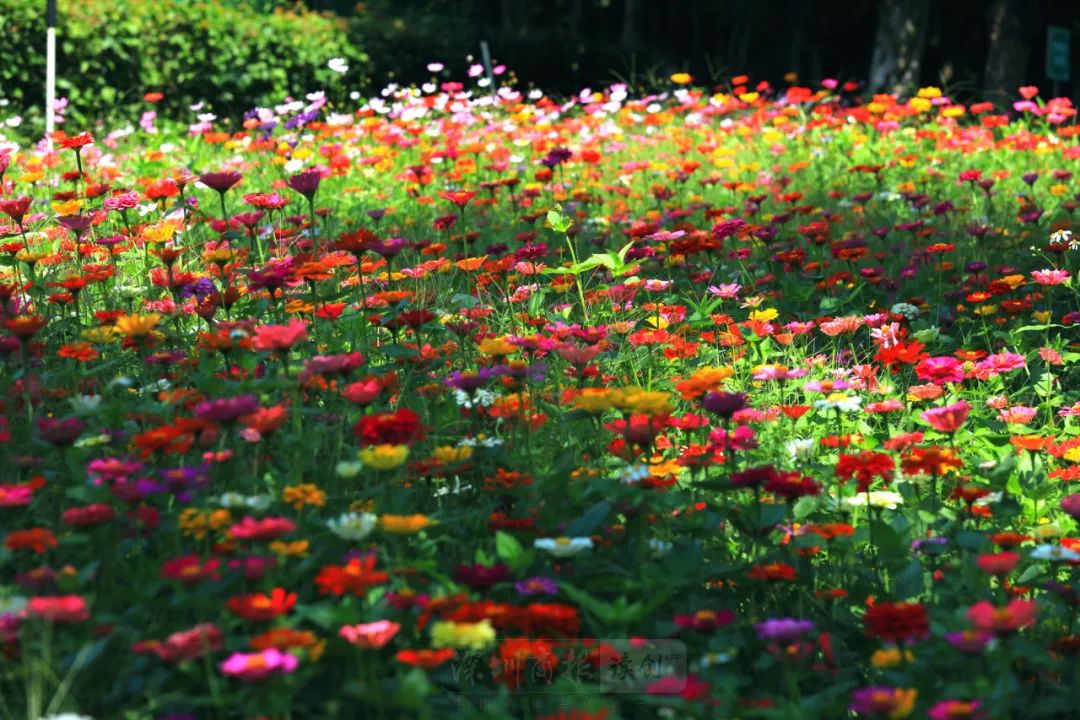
(384, 457)
(469, 636)
(138, 325)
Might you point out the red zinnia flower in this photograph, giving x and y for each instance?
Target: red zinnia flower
(998, 563)
(864, 467)
(259, 607)
(355, 577)
(772, 572)
(792, 485)
(401, 427)
(896, 621)
(37, 539)
(460, 198)
(16, 208)
(190, 569)
(426, 659)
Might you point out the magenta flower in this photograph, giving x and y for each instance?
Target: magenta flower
(956, 710)
(252, 667)
(940, 370)
(782, 630)
(969, 641)
(538, 586)
(883, 702)
(1071, 505)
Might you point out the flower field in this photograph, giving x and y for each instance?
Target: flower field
(754, 404)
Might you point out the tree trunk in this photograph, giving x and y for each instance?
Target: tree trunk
(1013, 26)
(899, 45)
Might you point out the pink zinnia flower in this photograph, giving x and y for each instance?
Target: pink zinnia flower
(728, 291)
(1050, 277)
(1002, 620)
(58, 608)
(948, 418)
(999, 363)
(279, 337)
(370, 636)
(940, 370)
(826, 386)
(1050, 356)
(841, 326)
(884, 406)
(260, 665)
(270, 528)
(1017, 415)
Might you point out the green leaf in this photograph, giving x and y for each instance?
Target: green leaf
(910, 581)
(1030, 574)
(805, 506)
(558, 222)
(507, 547)
(591, 520)
(971, 540)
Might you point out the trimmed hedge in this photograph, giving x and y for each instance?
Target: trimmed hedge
(111, 52)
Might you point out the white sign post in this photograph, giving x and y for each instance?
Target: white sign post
(50, 66)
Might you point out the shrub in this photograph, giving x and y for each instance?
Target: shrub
(110, 53)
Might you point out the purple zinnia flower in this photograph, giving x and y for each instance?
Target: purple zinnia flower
(226, 410)
(727, 228)
(724, 404)
(220, 181)
(306, 183)
(481, 577)
(536, 586)
(783, 630)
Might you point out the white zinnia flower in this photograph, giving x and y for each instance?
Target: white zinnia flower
(839, 401)
(878, 498)
(1054, 553)
(800, 448)
(353, 526)
(563, 546)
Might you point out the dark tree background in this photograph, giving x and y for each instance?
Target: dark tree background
(969, 47)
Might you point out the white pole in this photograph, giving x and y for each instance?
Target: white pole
(50, 67)
(485, 53)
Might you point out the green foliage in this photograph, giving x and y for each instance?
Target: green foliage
(109, 54)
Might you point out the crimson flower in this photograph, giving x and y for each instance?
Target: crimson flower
(15, 208)
(220, 181)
